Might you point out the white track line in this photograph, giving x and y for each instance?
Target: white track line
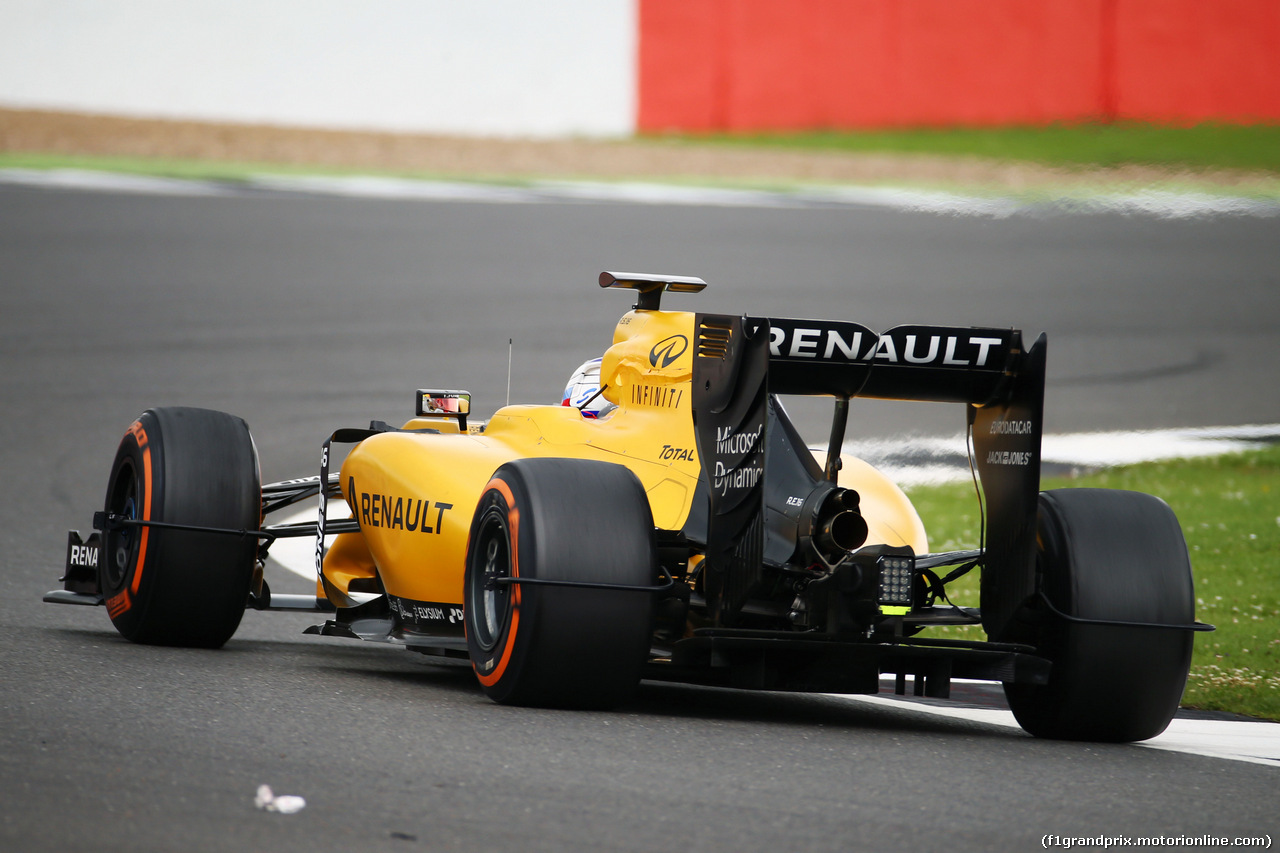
(1237, 740)
(1156, 203)
(114, 182)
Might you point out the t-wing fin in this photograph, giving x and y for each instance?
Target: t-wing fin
(651, 285)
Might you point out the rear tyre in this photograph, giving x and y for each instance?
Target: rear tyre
(560, 519)
(181, 587)
(1118, 556)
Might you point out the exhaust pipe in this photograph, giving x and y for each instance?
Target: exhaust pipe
(830, 523)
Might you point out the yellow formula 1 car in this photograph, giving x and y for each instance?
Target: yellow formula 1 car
(672, 525)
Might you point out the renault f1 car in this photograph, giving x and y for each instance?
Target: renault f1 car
(685, 533)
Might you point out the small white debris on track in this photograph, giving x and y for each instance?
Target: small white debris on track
(267, 801)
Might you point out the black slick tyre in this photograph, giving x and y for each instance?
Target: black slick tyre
(554, 646)
(1115, 556)
(180, 587)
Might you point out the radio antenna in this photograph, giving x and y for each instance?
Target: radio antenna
(509, 348)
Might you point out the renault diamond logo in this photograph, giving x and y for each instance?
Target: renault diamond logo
(668, 350)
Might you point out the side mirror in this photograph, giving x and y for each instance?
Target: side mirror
(444, 404)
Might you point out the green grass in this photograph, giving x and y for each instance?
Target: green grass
(1176, 149)
(1229, 508)
(1203, 146)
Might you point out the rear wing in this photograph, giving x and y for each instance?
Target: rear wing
(740, 361)
(939, 363)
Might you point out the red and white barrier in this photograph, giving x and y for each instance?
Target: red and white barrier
(611, 67)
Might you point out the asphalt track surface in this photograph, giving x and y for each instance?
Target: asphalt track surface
(303, 314)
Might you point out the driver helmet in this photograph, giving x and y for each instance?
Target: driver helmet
(583, 389)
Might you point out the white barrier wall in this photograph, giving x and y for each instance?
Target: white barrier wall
(486, 67)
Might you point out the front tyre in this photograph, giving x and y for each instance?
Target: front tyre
(181, 587)
(569, 520)
(1115, 556)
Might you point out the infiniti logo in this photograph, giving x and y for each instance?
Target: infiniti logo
(668, 350)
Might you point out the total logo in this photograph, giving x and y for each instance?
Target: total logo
(667, 350)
